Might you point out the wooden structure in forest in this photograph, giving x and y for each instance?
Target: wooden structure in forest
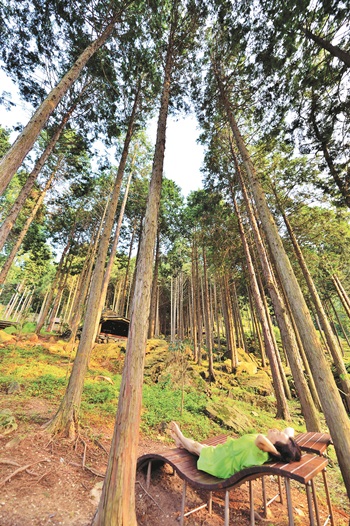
(6, 323)
(112, 327)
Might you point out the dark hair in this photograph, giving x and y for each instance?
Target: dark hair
(289, 452)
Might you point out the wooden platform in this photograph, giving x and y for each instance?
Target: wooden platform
(5, 323)
(311, 464)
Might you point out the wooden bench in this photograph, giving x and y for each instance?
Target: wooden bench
(304, 472)
(314, 442)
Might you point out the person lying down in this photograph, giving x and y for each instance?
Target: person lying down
(235, 454)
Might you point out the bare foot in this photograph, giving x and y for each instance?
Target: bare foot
(175, 432)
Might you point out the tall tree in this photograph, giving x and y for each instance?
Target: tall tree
(117, 505)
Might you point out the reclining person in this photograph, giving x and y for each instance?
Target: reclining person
(235, 454)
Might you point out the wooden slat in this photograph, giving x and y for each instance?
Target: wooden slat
(314, 442)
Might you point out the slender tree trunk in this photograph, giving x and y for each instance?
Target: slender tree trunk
(342, 294)
(85, 279)
(24, 142)
(113, 250)
(339, 322)
(243, 342)
(333, 408)
(7, 265)
(122, 309)
(66, 419)
(322, 317)
(58, 296)
(208, 332)
(288, 336)
(282, 406)
(228, 319)
(257, 331)
(46, 308)
(217, 317)
(7, 225)
(336, 51)
(117, 504)
(153, 308)
(194, 304)
(199, 309)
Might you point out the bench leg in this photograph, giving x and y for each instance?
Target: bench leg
(309, 502)
(328, 497)
(149, 470)
(184, 487)
(251, 501)
(289, 502)
(227, 508)
(264, 498)
(280, 489)
(210, 502)
(317, 512)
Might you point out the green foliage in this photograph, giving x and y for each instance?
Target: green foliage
(46, 386)
(99, 393)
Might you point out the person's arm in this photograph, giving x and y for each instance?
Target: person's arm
(289, 431)
(263, 443)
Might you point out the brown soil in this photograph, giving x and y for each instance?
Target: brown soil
(49, 482)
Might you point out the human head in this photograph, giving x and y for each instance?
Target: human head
(288, 451)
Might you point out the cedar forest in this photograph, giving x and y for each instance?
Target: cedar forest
(264, 244)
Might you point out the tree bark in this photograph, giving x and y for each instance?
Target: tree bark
(7, 265)
(66, 419)
(336, 51)
(333, 408)
(322, 317)
(282, 406)
(24, 142)
(288, 336)
(117, 504)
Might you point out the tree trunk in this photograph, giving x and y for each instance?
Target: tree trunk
(117, 504)
(208, 331)
(282, 406)
(85, 280)
(24, 142)
(322, 317)
(6, 267)
(342, 294)
(333, 408)
(7, 225)
(194, 304)
(113, 249)
(287, 332)
(153, 307)
(228, 320)
(66, 419)
(122, 308)
(46, 307)
(339, 322)
(336, 51)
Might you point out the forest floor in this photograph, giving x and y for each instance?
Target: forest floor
(54, 482)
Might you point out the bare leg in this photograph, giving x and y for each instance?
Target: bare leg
(182, 441)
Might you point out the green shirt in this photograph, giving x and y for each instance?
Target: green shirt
(235, 454)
